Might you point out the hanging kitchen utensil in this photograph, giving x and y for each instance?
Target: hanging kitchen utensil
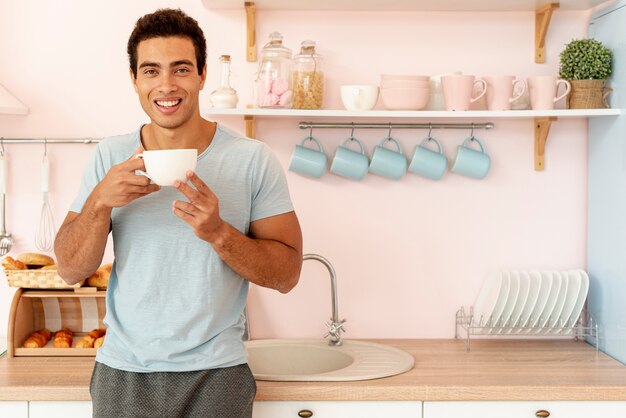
(6, 240)
(46, 231)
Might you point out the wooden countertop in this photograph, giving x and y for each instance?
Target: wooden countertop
(493, 370)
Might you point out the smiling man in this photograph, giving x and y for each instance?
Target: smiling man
(184, 254)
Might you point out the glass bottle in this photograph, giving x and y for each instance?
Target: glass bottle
(308, 78)
(272, 86)
(224, 96)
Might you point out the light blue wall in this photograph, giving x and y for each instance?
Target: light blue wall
(606, 258)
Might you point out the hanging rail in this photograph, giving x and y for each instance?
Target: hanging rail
(49, 141)
(310, 125)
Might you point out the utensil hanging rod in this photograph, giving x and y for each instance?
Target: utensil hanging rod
(49, 140)
(315, 125)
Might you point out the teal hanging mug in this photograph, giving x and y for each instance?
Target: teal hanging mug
(350, 163)
(308, 161)
(471, 162)
(386, 162)
(429, 163)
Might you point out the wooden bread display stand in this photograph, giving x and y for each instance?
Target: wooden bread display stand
(79, 310)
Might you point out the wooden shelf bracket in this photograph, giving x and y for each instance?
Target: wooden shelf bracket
(250, 31)
(542, 22)
(542, 129)
(250, 126)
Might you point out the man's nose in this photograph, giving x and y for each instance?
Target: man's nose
(167, 83)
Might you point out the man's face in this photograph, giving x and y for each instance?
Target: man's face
(168, 83)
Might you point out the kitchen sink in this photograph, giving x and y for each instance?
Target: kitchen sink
(315, 360)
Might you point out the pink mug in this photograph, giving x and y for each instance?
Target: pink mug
(543, 90)
(457, 91)
(500, 91)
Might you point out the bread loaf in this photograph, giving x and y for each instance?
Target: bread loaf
(63, 338)
(50, 267)
(10, 264)
(101, 277)
(35, 260)
(37, 339)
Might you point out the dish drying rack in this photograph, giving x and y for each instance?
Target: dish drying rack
(465, 322)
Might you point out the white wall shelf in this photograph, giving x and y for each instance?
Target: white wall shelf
(417, 114)
(542, 118)
(395, 5)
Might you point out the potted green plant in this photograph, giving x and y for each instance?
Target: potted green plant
(586, 64)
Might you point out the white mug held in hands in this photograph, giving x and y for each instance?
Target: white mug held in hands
(165, 166)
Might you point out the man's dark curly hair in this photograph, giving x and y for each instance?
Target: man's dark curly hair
(165, 23)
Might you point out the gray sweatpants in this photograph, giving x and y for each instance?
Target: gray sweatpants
(221, 393)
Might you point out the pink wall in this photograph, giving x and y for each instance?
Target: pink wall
(408, 254)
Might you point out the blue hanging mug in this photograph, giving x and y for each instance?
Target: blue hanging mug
(471, 162)
(308, 161)
(429, 163)
(386, 162)
(350, 163)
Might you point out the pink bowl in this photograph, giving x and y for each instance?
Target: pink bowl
(405, 98)
(404, 83)
(404, 77)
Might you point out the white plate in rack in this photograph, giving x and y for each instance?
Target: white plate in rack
(487, 298)
(493, 319)
(544, 317)
(582, 297)
(520, 303)
(534, 286)
(573, 289)
(545, 286)
(509, 304)
(560, 302)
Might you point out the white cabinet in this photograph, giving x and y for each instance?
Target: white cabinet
(14, 409)
(337, 409)
(59, 409)
(530, 409)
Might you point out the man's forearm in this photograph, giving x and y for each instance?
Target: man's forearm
(264, 262)
(81, 241)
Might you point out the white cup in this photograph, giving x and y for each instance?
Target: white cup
(359, 97)
(165, 166)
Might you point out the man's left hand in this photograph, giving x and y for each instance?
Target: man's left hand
(202, 210)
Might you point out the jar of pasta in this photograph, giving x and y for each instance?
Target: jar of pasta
(308, 78)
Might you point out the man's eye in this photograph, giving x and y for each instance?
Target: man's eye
(182, 70)
(150, 72)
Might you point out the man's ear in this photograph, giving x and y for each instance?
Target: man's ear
(203, 77)
(133, 79)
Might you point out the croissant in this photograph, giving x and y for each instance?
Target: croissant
(63, 338)
(38, 339)
(88, 341)
(98, 343)
(11, 264)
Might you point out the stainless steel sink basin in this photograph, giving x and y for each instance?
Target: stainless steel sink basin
(315, 360)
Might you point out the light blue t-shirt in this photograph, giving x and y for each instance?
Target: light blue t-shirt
(172, 304)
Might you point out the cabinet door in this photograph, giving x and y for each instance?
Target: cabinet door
(59, 409)
(338, 409)
(14, 409)
(557, 409)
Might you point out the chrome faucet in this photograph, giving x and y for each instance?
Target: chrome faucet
(335, 327)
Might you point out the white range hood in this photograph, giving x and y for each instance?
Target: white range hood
(9, 104)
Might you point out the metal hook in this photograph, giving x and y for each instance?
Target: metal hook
(2, 145)
(472, 132)
(430, 130)
(45, 147)
(389, 133)
(352, 132)
(311, 131)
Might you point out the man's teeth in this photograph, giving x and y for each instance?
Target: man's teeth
(167, 103)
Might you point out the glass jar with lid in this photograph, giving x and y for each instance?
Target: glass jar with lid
(308, 78)
(272, 85)
(224, 96)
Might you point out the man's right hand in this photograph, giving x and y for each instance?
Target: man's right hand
(121, 185)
